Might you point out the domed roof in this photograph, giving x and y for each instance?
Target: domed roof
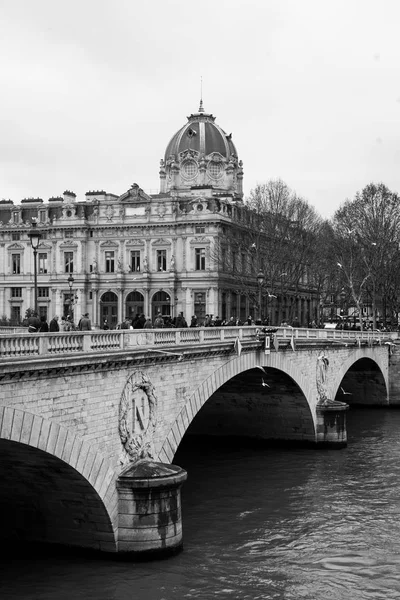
(203, 135)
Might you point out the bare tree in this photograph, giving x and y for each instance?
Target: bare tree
(367, 244)
(276, 238)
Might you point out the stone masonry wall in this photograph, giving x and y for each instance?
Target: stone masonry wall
(86, 398)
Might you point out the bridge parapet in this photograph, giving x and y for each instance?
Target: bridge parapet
(41, 344)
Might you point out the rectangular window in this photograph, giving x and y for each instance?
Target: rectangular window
(135, 260)
(234, 261)
(42, 262)
(42, 216)
(161, 260)
(44, 235)
(68, 233)
(16, 292)
(15, 236)
(109, 257)
(243, 259)
(200, 229)
(69, 262)
(200, 259)
(43, 292)
(15, 217)
(16, 264)
(223, 258)
(200, 306)
(15, 315)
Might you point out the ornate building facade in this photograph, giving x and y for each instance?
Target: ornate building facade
(135, 253)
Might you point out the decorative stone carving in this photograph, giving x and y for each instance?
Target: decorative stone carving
(321, 377)
(119, 264)
(109, 212)
(137, 420)
(161, 210)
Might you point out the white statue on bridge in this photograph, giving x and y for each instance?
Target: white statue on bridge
(137, 420)
(321, 377)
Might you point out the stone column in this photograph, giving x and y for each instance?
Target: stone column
(54, 305)
(95, 307)
(121, 309)
(331, 431)
(149, 509)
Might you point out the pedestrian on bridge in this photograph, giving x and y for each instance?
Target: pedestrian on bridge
(159, 322)
(180, 321)
(54, 326)
(33, 323)
(84, 323)
(44, 327)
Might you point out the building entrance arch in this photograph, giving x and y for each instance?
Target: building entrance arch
(161, 302)
(109, 309)
(134, 304)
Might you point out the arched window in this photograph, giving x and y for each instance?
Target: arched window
(161, 302)
(134, 304)
(109, 309)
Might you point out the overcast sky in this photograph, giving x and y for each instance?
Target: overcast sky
(91, 91)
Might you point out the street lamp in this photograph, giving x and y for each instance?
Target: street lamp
(342, 301)
(71, 297)
(260, 281)
(34, 236)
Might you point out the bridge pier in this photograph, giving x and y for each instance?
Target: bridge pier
(149, 507)
(331, 431)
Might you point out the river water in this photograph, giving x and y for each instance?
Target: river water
(258, 524)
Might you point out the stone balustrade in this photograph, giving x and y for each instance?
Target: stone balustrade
(30, 344)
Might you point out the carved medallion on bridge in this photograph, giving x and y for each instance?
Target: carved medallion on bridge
(137, 419)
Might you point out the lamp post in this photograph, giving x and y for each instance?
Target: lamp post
(260, 281)
(34, 236)
(71, 297)
(321, 312)
(342, 302)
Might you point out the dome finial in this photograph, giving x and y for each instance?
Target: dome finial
(201, 109)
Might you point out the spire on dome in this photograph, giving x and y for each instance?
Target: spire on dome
(201, 108)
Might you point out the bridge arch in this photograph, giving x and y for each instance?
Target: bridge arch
(62, 489)
(235, 366)
(378, 359)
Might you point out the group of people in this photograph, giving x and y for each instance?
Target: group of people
(40, 325)
(140, 321)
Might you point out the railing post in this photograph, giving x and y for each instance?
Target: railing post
(87, 342)
(201, 336)
(43, 344)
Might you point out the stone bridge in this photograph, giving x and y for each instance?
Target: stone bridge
(90, 422)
